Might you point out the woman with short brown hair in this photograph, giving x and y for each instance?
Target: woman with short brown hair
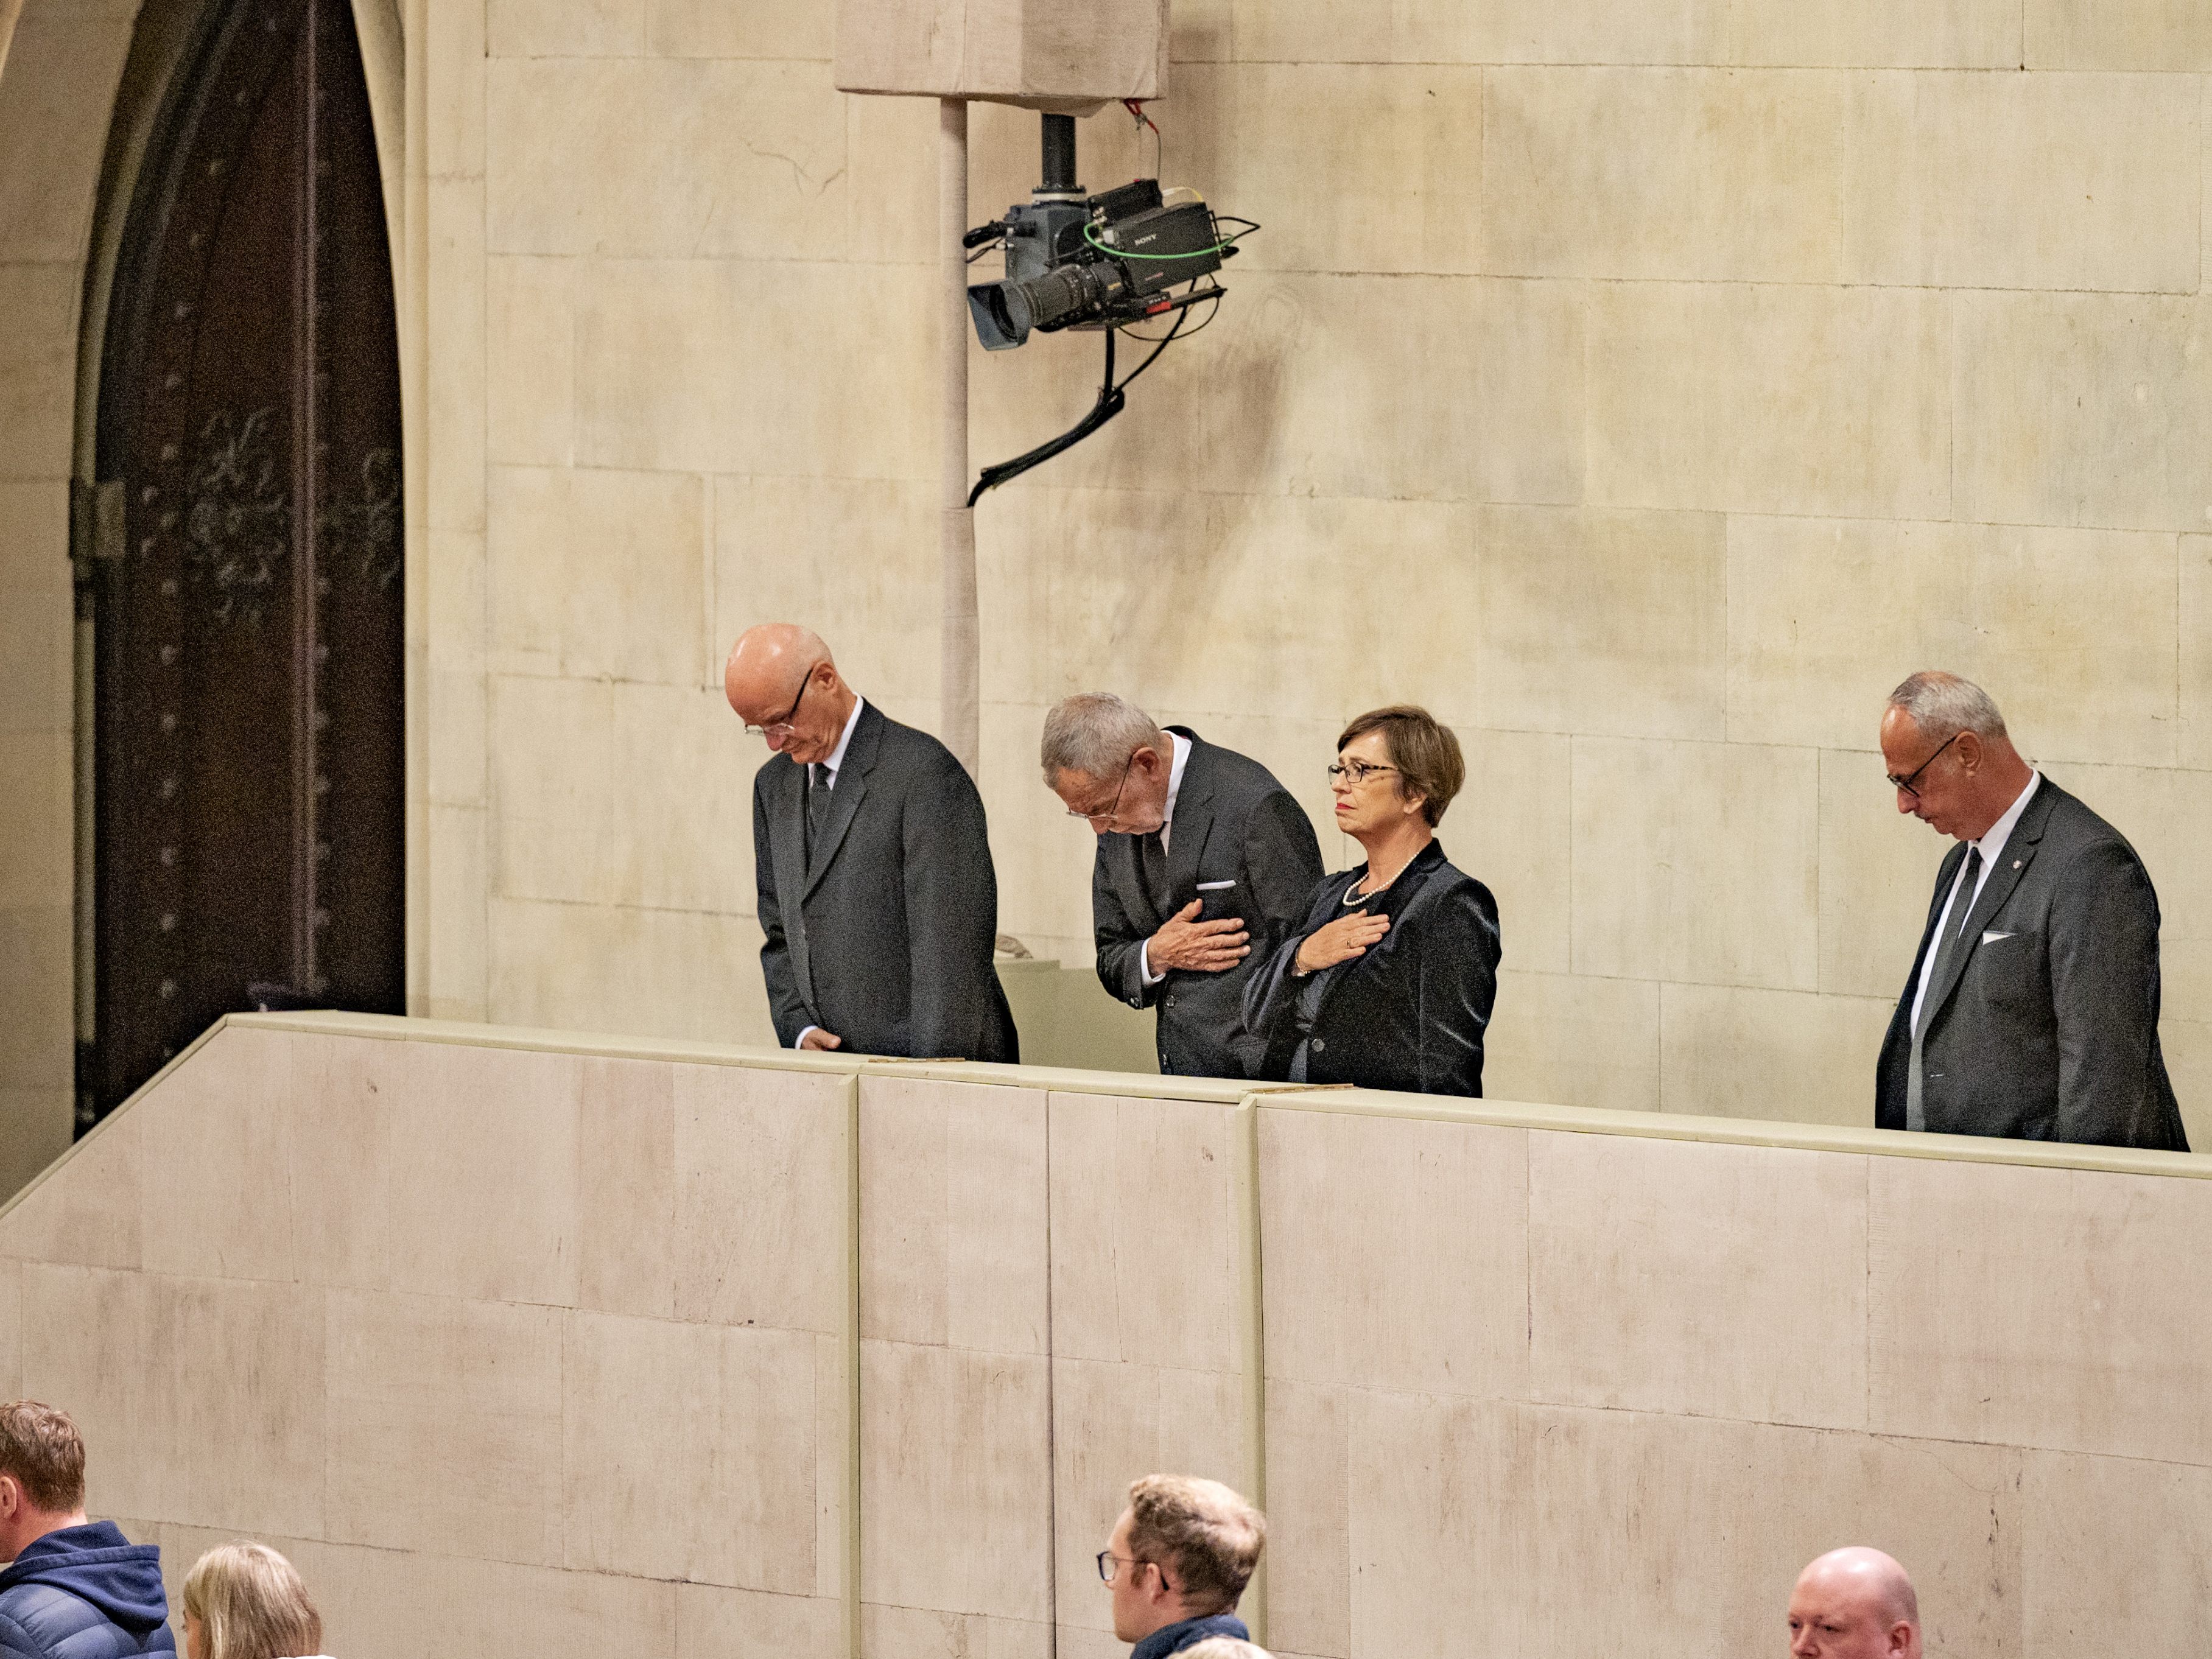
(1390, 980)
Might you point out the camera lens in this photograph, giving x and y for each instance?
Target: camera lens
(1058, 293)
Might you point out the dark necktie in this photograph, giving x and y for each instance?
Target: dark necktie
(818, 809)
(1948, 946)
(1155, 858)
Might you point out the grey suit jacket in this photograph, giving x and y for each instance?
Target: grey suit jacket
(1233, 822)
(2046, 1027)
(884, 937)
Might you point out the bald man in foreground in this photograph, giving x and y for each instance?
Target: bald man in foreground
(1854, 1604)
(878, 897)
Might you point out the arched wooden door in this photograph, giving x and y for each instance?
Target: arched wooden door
(249, 774)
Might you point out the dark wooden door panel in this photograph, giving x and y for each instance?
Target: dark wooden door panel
(249, 788)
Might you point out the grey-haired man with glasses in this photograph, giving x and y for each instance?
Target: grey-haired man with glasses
(2031, 1009)
(1204, 864)
(879, 902)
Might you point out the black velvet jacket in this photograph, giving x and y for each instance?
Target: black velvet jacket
(1411, 1013)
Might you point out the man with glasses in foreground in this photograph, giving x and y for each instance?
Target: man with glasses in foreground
(1202, 855)
(1180, 1557)
(2031, 1009)
(878, 896)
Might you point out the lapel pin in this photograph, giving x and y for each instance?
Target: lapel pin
(2016, 863)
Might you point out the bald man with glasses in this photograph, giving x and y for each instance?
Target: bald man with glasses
(2031, 1009)
(878, 901)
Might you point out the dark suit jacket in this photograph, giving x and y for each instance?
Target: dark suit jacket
(2046, 1027)
(1410, 1014)
(885, 938)
(1233, 822)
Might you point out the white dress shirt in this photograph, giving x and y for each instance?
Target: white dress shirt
(836, 759)
(1992, 845)
(1167, 824)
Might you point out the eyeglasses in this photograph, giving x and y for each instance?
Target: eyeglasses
(1113, 812)
(1905, 783)
(783, 728)
(1357, 771)
(1108, 1559)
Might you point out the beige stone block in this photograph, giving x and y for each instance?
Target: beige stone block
(459, 716)
(954, 1248)
(598, 574)
(626, 1230)
(1208, 603)
(1428, 1536)
(2138, 34)
(669, 354)
(716, 1623)
(455, 579)
(1496, 32)
(38, 368)
(1396, 1253)
(1382, 387)
(1885, 34)
(891, 172)
(37, 817)
(1147, 1236)
(38, 1047)
(1620, 1502)
(2048, 182)
(484, 1202)
(454, 38)
(1510, 830)
(621, 794)
(2037, 1308)
(889, 1632)
(954, 1463)
(1825, 618)
(614, 967)
(1309, 1555)
(502, 1611)
(1397, 184)
(1726, 175)
(1785, 1056)
(2194, 739)
(2187, 1045)
(763, 1198)
(2153, 808)
(565, 28)
(455, 938)
(12, 1326)
(1878, 871)
(1571, 1040)
(456, 325)
(1044, 858)
(1641, 652)
(217, 1137)
(854, 558)
(62, 76)
(470, 1388)
(339, 1143)
(1113, 1424)
(34, 1130)
(2076, 408)
(740, 28)
(1697, 861)
(530, 360)
(667, 158)
(249, 1379)
(36, 654)
(1828, 401)
(90, 1215)
(1696, 1280)
(76, 1322)
(734, 1504)
(2111, 1552)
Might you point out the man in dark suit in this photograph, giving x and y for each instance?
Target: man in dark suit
(878, 896)
(1202, 855)
(2032, 1007)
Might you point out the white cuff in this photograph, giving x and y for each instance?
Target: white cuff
(800, 1041)
(1146, 977)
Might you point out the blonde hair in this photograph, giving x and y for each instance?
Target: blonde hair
(1207, 1534)
(252, 1604)
(1223, 1647)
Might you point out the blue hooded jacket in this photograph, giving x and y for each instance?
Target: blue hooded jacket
(84, 1593)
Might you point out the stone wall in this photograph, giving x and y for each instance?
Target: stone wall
(535, 1345)
(1645, 389)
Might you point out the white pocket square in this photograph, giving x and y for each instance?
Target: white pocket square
(1992, 938)
(1215, 886)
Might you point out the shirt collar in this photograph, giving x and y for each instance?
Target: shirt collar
(1174, 775)
(837, 755)
(1992, 843)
